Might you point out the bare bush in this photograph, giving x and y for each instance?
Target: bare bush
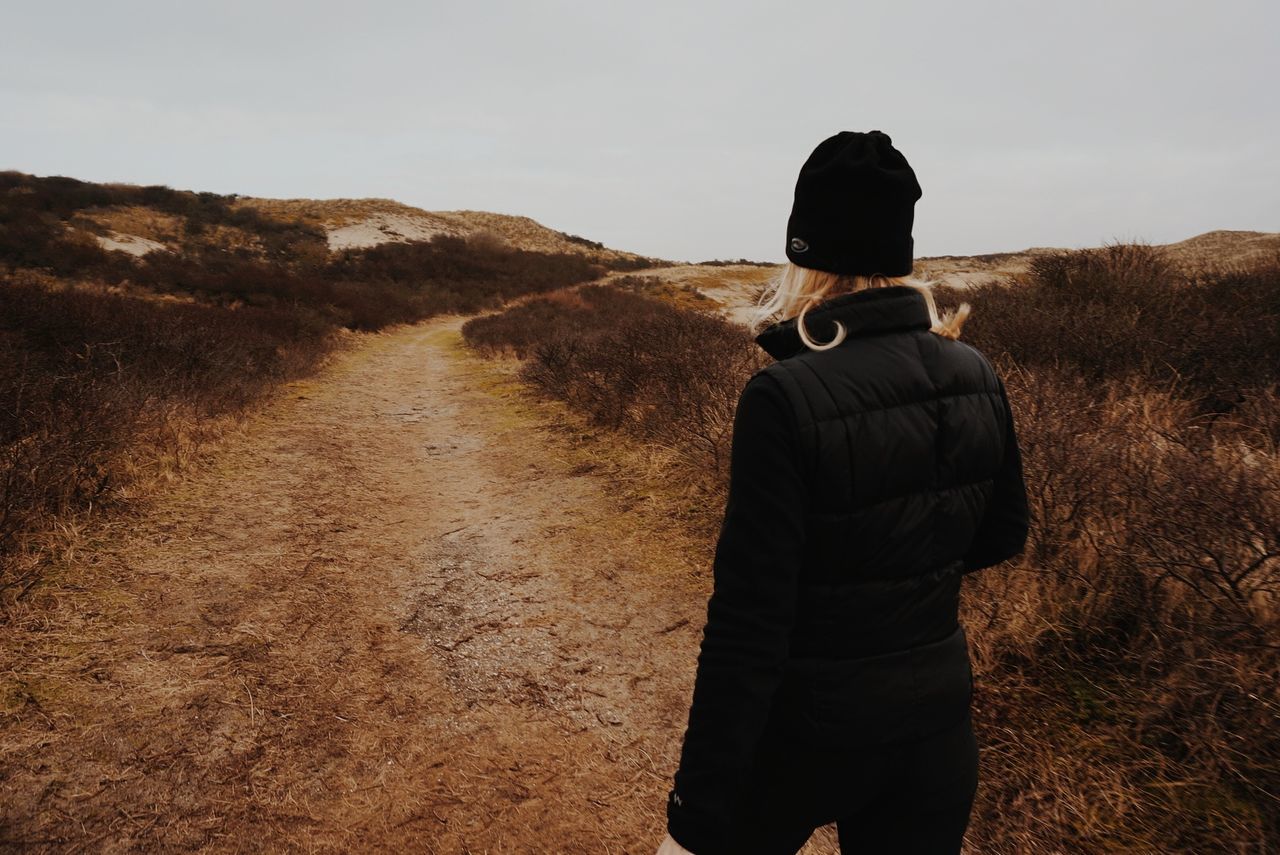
(95, 387)
(1211, 336)
(632, 363)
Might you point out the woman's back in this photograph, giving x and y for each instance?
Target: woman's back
(903, 434)
(904, 438)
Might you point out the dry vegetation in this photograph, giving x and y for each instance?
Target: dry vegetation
(115, 368)
(1127, 695)
(624, 360)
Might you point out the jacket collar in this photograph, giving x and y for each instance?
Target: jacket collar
(867, 312)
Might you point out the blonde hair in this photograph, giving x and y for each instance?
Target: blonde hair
(796, 289)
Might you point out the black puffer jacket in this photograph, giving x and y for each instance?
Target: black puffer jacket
(864, 481)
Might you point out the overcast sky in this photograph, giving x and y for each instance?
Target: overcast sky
(673, 129)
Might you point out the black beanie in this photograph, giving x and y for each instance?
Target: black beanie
(854, 207)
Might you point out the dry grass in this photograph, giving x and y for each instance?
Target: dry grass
(169, 230)
(104, 392)
(1095, 656)
(323, 212)
(1224, 248)
(634, 363)
(139, 220)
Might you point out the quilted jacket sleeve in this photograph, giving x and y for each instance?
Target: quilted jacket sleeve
(749, 617)
(1002, 534)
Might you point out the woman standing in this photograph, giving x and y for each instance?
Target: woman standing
(874, 462)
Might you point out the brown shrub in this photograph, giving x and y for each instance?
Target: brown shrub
(1144, 612)
(94, 387)
(632, 363)
(1212, 336)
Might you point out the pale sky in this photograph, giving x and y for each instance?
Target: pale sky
(674, 129)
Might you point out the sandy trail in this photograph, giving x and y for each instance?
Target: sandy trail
(401, 610)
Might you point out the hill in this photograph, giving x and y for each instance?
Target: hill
(139, 220)
(360, 223)
(1220, 248)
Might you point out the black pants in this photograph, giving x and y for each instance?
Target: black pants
(907, 798)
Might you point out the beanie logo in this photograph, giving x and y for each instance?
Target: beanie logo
(799, 244)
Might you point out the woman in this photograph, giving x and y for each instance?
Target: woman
(874, 462)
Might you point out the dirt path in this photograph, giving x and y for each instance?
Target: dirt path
(400, 611)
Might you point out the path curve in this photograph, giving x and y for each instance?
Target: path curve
(402, 610)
